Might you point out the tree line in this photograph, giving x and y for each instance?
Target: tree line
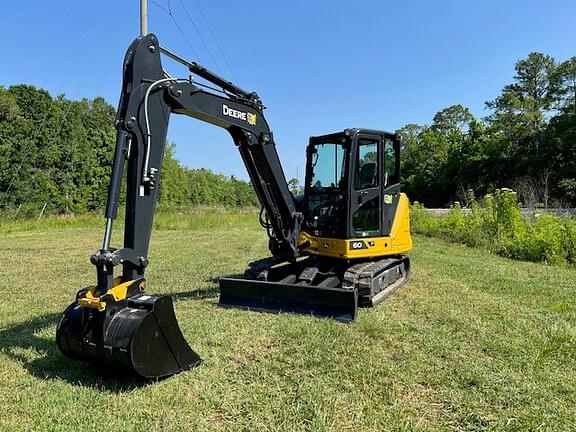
(58, 152)
(526, 143)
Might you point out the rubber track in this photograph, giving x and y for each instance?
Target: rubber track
(362, 277)
(255, 268)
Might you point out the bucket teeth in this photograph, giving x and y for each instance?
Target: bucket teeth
(139, 333)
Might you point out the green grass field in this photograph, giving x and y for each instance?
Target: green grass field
(473, 342)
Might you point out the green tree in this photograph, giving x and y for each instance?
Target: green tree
(520, 111)
(454, 119)
(174, 181)
(294, 186)
(566, 75)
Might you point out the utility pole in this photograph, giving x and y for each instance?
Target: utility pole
(143, 17)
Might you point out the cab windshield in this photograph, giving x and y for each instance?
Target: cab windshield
(327, 166)
(325, 214)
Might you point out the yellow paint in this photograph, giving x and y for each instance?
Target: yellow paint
(90, 301)
(399, 242)
(118, 293)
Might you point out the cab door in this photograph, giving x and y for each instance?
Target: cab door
(366, 182)
(390, 181)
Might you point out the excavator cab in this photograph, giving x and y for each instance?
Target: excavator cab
(352, 184)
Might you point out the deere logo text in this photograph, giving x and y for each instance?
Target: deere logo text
(241, 115)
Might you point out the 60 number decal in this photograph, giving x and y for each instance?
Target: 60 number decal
(358, 245)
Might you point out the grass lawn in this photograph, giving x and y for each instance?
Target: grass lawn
(473, 342)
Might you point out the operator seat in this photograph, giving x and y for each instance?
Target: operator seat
(367, 176)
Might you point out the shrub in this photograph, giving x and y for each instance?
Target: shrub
(541, 241)
(500, 227)
(425, 222)
(569, 238)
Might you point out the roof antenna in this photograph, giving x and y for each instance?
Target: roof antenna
(143, 18)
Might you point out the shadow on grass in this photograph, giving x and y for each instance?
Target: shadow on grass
(203, 293)
(216, 280)
(199, 294)
(16, 340)
(47, 362)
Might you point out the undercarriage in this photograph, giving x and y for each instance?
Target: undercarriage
(315, 285)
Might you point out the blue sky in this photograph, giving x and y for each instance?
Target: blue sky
(320, 66)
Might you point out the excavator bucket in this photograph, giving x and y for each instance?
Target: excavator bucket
(138, 333)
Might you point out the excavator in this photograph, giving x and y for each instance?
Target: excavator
(340, 245)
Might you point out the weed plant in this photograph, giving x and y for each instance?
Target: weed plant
(500, 227)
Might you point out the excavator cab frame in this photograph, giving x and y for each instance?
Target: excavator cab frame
(358, 197)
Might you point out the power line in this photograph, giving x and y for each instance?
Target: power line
(200, 36)
(215, 39)
(160, 6)
(181, 32)
(71, 103)
(168, 10)
(101, 81)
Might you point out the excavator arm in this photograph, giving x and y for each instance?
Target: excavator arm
(114, 322)
(149, 96)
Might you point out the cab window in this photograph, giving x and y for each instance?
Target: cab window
(367, 164)
(327, 165)
(389, 162)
